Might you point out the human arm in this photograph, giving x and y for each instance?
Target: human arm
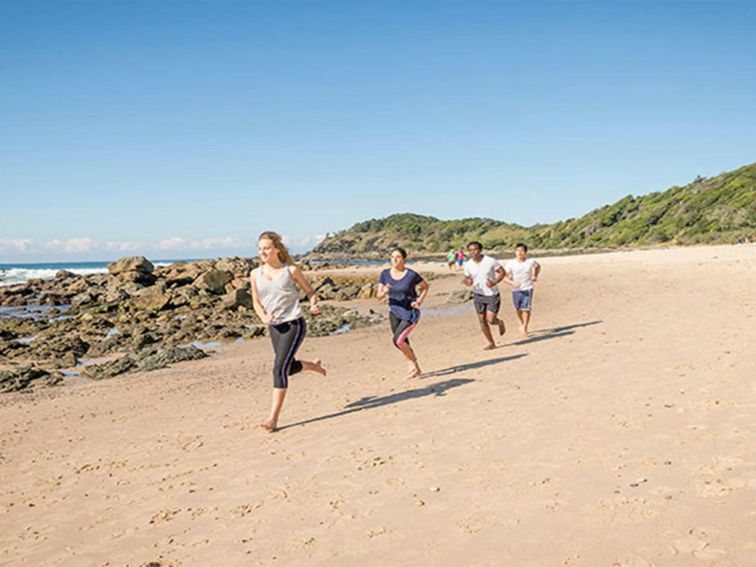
(304, 283)
(424, 287)
(383, 286)
(266, 318)
(500, 275)
(536, 270)
(509, 277)
(468, 279)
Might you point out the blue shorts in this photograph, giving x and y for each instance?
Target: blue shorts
(522, 299)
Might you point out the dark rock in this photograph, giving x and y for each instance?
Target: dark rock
(112, 368)
(20, 379)
(171, 355)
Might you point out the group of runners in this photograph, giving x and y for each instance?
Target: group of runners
(276, 285)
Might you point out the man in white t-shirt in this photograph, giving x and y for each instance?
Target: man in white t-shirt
(522, 273)
(484, 273)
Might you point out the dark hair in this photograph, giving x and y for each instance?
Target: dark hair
(521, 245)
(475, 243)
(401, 251)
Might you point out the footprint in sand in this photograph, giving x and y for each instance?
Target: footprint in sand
(164, 516)
(244, 509)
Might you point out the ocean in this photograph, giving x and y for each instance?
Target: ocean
(18, 273)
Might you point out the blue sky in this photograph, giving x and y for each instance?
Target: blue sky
(183, 129)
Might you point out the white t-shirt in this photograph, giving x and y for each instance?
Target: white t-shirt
(481, 272)
(521, 272)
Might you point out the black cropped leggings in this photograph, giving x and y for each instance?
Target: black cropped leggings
(286, 338)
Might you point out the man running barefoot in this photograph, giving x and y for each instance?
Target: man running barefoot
(484, 273)
(522, 273)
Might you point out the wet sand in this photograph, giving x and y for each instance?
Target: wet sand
(620, 433)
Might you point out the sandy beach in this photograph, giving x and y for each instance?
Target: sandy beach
(621, 433)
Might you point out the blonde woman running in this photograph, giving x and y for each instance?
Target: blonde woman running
(275, 297)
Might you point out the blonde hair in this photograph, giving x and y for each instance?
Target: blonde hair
(283, 252)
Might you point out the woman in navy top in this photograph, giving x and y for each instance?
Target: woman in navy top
(401, 284)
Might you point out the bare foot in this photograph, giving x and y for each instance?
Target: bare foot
(524, 331)
(414, 372)
(318, 364)
(269, 426)
(502, 327)
(489, 347)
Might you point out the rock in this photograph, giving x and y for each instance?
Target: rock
(255, 330)
(238, 266)
(138, 278)
(64, 274)
(460, 296)
(131, 264)
(180, 274)
(367, 291)
(141, 338)
(184, 295)
(240, 283)
(112, 368)
(151, 299)
(134, 269)
(20, 379)
(214, 281)
(171, 355)
(349, 292)
(237, 298)
(83, 298)
(79, 285)
(59, 349)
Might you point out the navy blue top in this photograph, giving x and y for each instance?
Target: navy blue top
(402, 294)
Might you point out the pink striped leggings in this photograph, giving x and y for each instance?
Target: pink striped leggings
(401, 330)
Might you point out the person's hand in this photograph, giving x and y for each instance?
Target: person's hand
(268, 318)
(314, 310)
(491, 283)
(515, 284)
(415, 304)
(534, 280)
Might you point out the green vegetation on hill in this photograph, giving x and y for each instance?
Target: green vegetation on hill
(719, 209)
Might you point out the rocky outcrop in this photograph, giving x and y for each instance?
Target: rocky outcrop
(22, 378)
(144, 362)
(138, 310)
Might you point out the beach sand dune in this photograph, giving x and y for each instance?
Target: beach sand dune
(621, 432)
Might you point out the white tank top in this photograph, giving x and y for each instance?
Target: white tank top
(279, 296)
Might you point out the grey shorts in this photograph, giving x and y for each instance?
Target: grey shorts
(485, 303)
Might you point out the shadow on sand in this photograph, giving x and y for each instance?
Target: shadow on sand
(369, 402)
(471, 366)
(437, 389)
(555, 333)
